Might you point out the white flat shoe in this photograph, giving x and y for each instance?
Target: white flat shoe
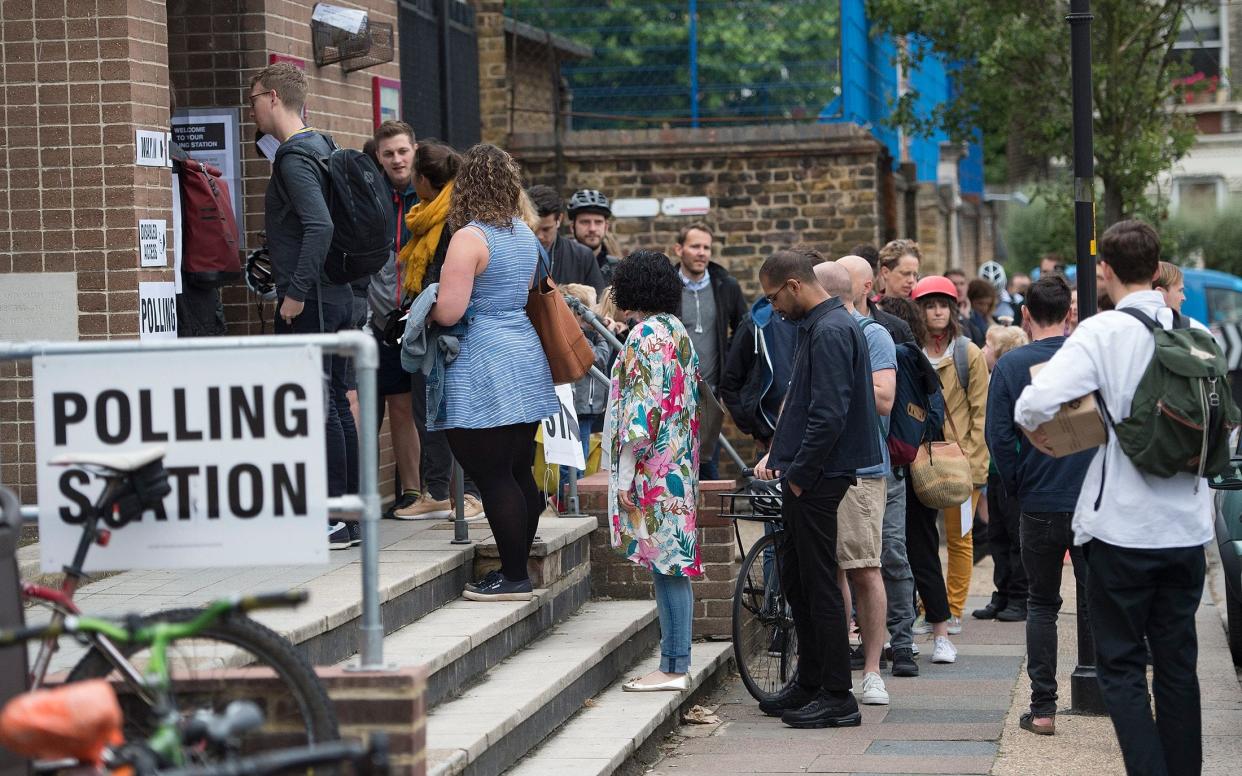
(679, 684)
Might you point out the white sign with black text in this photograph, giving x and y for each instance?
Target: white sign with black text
(152, 243)
(243, 430)
(210, 135)
(157, 311)
(151, 148)
(562, 444)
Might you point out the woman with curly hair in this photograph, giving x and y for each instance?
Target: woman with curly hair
(651, 444)
(499, 387)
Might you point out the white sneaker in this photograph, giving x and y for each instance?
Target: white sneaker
(873, 692)
(955, 626)
(944, 652)
(921, 626)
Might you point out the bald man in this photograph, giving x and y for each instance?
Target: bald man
(860, 520)
(863, 284)
(894, 560)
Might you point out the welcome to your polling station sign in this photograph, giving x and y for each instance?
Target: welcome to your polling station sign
(244, 434)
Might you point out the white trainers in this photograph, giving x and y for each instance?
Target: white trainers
(955, 626)
(873, 692)
(944, 652)
(921, 626)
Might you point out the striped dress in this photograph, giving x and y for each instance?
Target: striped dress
(500, 376)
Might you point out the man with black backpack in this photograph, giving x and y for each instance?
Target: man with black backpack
(303, 235)
(1145, 511)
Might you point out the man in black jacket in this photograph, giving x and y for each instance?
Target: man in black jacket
(299, 232)
(826, 433)
(712, 309)
(572, 262)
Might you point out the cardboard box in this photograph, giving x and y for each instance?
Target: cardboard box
(1077, 427)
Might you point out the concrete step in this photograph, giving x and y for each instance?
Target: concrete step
(420, 571)
(462, 639)
(601, 737)
(522, 700)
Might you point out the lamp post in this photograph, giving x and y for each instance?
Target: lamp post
(1085, 695)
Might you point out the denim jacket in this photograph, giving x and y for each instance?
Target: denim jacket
(827, 427)
(429, 348)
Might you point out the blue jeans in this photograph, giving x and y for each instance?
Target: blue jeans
(675, 604)
(586, 426)
(895, 565)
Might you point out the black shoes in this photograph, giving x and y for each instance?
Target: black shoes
(903, 662)
(989, 612)
(1014, 612)
(794, 696)
(487, 579)
(499, 588)
(858, 659)
(825, 711)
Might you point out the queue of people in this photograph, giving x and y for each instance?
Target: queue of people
(829, 371)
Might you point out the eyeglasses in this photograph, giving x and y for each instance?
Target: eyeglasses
(772, 296)
(253, 97)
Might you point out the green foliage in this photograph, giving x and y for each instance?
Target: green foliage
(1214, 236)
(755, 58)
(1015, 79)
(1044, 226)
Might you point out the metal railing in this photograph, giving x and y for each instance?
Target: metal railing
(363, 507)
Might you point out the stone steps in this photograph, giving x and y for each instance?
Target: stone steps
(518, 703)
(601, 737)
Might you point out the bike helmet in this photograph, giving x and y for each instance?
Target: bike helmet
(936, 284)
(994, 273)
(259, 278)
(589, 201)
(765, 497)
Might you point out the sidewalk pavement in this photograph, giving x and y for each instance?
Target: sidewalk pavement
(957, 719)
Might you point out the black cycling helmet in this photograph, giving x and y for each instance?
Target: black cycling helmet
(765, 497)
(259, 278)
(589, 201)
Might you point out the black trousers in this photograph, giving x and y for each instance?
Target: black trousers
(499, 460)
(1045, 538)
(1154, 593)
(923, 550)
(1005, 543)
(807, 558)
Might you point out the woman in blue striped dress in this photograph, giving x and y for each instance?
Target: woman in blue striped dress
(499, 387)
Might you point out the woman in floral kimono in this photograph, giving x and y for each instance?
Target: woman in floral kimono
(651, 440)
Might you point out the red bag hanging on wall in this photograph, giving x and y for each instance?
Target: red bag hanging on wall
(210, 249)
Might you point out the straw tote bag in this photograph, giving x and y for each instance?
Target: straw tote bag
(569, 354)
(940, 472)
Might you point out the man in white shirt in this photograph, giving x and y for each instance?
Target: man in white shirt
(1143, 535)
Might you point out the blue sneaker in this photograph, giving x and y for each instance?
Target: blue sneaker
(500, 589)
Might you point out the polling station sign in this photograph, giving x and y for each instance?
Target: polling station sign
(244, 434)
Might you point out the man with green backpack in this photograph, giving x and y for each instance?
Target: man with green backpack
(1145, 510)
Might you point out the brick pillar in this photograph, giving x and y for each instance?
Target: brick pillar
(79, 78)
(494, 93)
(616, 577)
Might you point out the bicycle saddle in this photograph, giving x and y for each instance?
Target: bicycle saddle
(128, 461)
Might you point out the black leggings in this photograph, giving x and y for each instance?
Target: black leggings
(499, 460)
(923, 550)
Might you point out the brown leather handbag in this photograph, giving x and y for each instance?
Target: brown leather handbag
(569, 354)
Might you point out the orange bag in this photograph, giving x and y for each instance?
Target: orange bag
(77, 720)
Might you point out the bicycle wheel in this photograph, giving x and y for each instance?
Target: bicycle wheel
(765, 643)
(205, 672)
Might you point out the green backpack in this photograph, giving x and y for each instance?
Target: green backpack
(1182, 409)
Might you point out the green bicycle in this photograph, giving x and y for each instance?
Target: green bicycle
(176, 721)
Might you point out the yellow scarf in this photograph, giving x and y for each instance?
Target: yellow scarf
(426, 223)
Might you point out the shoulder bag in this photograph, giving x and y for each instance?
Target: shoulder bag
(569, 354)
(940, 473)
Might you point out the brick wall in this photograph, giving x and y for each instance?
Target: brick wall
(78, 78)
(769, 186)
(493, 71)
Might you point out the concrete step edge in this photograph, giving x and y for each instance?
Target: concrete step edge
(544, 683)
(601, 737)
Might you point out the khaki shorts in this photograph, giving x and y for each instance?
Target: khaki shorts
(860, 524)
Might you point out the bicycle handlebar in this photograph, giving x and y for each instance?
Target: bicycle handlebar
(368, 760)
(12, 636)
(279, 600)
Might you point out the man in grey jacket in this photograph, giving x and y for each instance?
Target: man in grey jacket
(299, 231)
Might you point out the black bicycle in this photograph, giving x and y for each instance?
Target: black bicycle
(765, 644)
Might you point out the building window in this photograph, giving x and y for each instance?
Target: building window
(1201, 42)
(1199, 195)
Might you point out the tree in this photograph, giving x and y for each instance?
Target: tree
(756, 59)
(1012, 73)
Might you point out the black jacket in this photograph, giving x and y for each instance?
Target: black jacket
(827, 428)
(899, 329)
(573, 262)
(731, 310)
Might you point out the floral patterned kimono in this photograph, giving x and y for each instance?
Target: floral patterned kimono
(653, 407)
